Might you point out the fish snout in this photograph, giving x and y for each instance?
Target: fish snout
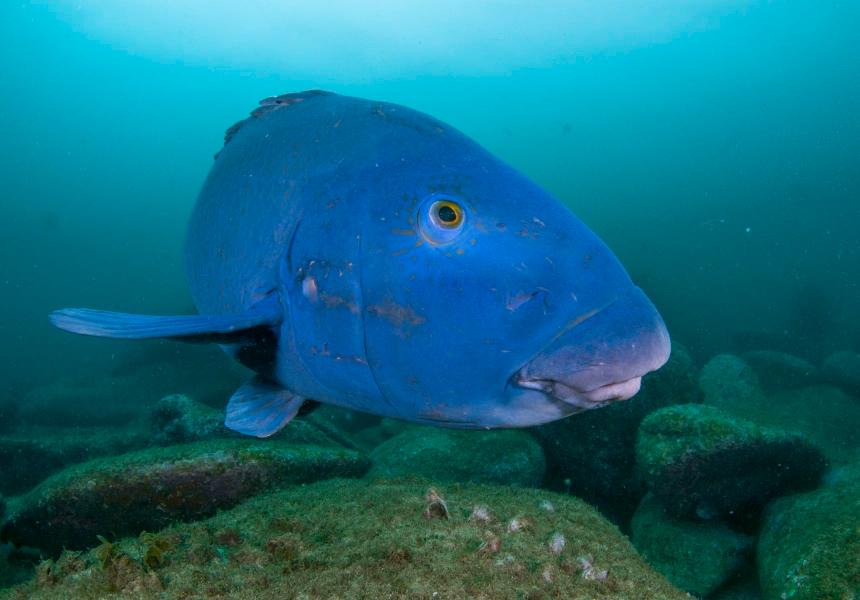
(600, 357)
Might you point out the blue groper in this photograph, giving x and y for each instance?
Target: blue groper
(362, 254)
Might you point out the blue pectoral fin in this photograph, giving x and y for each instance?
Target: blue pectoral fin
(261, 408)
(189, 328)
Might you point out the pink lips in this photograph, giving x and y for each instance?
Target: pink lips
(585, 399)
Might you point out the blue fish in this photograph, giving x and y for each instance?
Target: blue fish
(362, 254)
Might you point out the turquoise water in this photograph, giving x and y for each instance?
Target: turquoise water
(714, 146)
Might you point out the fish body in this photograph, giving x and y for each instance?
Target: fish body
(363, 254)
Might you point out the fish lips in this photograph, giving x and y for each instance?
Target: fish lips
(601, 355)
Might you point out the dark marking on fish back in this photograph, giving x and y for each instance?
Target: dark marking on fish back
(269, 104)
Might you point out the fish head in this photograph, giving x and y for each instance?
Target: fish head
(489, 304)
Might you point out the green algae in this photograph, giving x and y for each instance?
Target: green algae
(809, 547)
(177, 419)
(825, 414)
(697, 556)
(359, 539)
(152, 488)
(700, 460)
(503, 456)
(30, 454)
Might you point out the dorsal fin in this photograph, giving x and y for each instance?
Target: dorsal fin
(269, 104)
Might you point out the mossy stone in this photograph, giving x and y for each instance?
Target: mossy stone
(702, 461)
(149, 489)
(364, 539)
(780, 370)
(809, 546)
(727, 381)
(30, 454)
(697, 556)
(179, 419)
(503, 456)
(843, 369)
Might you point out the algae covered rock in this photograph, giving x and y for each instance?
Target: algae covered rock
(809, 545)
(591, 455)
(509, 457)
(780, 370)
(150, 489)
(30, 454)
(360, 539)
(824, 413)
(728, 381)
(697, 556)
(843, 369)
(702, 461)
(178, 419)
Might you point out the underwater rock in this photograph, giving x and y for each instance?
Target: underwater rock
(591, 455)
(149, 489)
(780, 370)
(702, 461)
(727, 381)
(809, 546)
(178, 419)
(30, 454)
(508, 457)
(373, 436)
(348, 421)
(843, 369)
(697, 556)
(359, 539)
(824, 414)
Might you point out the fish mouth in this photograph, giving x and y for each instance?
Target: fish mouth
(583, 399)
(602, 356)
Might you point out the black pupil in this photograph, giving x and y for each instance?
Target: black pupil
(447, 214)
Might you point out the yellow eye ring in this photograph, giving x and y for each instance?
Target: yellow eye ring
(446, 214)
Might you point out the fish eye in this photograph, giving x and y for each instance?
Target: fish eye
(446, 214)
(440, 219)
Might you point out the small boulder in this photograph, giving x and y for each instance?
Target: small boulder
(809, 545)
(703, 462)
(843, 369)
(149, 489)
(178, 419)
(823, 413)
(359, 539)
(30, 454)
(697, 556)
(780, 370)
(727, 381)
(591, 455)
(508, 457)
